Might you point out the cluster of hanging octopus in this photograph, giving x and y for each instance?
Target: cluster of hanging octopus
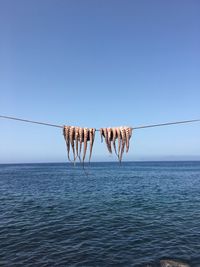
(123, 134)
(76, 137)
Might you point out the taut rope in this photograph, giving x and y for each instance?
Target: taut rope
(29, 121)
(137, 127)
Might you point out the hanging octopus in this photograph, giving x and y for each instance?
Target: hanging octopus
(75, 137)
(123, 134)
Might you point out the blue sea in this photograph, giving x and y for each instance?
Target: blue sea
(132, 214)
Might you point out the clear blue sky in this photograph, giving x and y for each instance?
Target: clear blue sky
(99, 63)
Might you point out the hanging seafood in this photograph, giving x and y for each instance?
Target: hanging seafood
(123, 134)
(75, 137)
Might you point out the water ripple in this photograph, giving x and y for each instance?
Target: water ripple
(139, 213)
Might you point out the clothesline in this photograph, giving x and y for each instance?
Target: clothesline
(137, 127)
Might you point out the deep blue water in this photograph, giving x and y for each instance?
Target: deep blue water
(128, 215)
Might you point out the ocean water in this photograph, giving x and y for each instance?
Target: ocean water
(128, 215)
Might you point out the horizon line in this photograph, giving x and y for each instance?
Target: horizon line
(88, 163)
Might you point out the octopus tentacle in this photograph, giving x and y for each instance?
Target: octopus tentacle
(129, 131)
(105, 131)
(77, 140)
(81, 133)
(66, 130)
(72, 137)
(109, 131)
(114, 130)
(123, 134)
(105, 136)
(92, 136)
(85, 142)
(127, 138)
(119, 141)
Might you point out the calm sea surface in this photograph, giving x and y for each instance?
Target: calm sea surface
(128, 215)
